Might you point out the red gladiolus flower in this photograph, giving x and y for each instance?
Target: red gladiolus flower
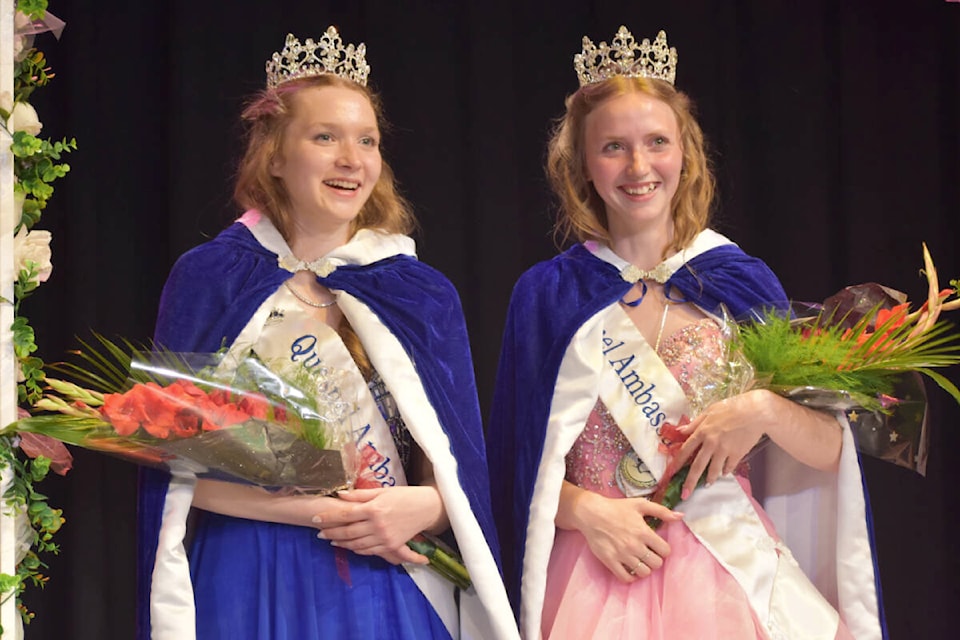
(186, 423)
(219, 397)
(256, 406)
(366, 477)
(891, 319)
(179, 410)
(229, 414)
(128, 411)
(158, 410)
(671, 437)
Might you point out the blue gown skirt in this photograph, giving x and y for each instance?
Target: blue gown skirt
(262, 581)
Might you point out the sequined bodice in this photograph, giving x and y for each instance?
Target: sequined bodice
(694, 355)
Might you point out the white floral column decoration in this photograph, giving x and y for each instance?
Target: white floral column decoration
(28, 166)
(8, 379)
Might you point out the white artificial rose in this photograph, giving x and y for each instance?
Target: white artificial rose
(23, 534)
(33, 246)
(18, 42)
(20, 21)
(24, 118)
(19, 197)
(21, 41)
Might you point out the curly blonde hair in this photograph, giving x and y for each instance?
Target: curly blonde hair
(266, 116)
(583, 214)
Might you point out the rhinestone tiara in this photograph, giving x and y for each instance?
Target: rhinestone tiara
(316, 58)
(623, 57)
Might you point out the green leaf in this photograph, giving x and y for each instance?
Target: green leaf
(35, 9)
(107, 371)
(25, 145)
(30, 389)
(56, 171)
(8, 582)
(30, 72)
(39, 470)
(23, 337)
(944, 383)
(39, 189)
(30, 214)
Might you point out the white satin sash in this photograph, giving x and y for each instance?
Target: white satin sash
(292, 337)
(481, 612)
(642, 395)
(281, 333)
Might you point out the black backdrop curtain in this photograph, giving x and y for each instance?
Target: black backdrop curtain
(833, 127)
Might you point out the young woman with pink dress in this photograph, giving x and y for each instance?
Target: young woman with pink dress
(617, 342)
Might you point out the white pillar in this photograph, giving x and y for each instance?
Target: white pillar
(8, 378)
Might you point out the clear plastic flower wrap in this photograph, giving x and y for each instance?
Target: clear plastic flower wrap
(861, 352)
(253, 423)
(284, 429)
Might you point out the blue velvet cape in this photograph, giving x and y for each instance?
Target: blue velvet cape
(214, 289)
(549, 304)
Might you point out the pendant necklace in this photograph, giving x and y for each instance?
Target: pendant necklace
(307, 301)
(663, 322)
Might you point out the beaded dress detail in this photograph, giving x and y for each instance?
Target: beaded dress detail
(692, 355)
(391, 415)
(584, 599)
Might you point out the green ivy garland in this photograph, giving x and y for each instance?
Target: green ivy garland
(37, 163)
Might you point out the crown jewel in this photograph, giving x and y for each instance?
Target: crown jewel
(623, 57)
(316, 58)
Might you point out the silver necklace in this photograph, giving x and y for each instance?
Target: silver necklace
(663, 322)
(307, 301)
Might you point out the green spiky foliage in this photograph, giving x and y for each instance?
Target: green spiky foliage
(863, 361)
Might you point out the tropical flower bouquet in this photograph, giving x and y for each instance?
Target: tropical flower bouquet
(253, 422)
(862, 351)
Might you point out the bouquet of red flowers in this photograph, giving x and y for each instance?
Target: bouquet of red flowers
(253, 422)
(166, 410)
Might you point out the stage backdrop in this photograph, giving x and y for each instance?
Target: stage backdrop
(834, 133)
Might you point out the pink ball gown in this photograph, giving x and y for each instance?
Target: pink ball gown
(692, 595)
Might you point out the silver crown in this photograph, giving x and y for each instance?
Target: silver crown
(623, 57)
(314, 58)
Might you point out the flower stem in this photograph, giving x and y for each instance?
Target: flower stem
(443, 559)
(669, 495)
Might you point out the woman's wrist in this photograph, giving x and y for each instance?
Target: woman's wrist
(809, 435)
(440, 522)
(573, 512)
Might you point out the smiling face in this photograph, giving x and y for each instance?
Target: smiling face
(329, 159)
(633, 158)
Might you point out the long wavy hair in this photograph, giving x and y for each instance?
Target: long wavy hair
(267, 115)
(583, 214)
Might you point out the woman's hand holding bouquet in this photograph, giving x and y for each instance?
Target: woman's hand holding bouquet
(848, 354)
(253, 424)
(382, 521)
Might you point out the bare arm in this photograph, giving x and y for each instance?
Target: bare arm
(366, 521)
(255, 503)
(381, 521)
(723, 434)
(425, 478)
